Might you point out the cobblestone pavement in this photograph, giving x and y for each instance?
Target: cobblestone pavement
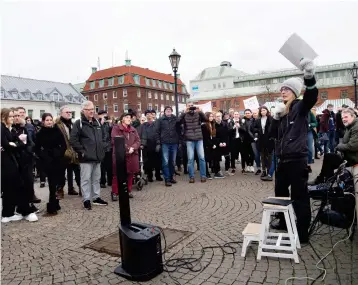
(51, 250)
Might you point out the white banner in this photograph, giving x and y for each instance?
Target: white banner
(251, 103)
(205, 107)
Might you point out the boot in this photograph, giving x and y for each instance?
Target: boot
(263, 174)
(72, 191)
(51, 208)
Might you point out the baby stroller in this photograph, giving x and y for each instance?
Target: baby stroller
(139, 179)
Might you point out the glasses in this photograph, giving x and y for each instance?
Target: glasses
(16, 115)
(69, 112)
(285, 89)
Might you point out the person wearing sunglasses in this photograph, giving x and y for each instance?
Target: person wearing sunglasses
(289, 128)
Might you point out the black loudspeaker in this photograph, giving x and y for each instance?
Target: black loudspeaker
(140, 244)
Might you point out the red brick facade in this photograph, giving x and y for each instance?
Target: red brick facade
(119, 90)
(237, 102)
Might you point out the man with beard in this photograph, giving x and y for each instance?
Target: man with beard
(26, 156)
(72, 164)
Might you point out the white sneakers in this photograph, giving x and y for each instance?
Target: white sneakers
(250, 169)
(31, 218)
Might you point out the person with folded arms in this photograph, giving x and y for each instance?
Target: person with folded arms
(289, 128)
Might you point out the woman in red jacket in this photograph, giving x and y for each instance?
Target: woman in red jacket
(132, 144)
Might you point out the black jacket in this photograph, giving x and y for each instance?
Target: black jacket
(290, 131)
(263, 139)
(168, 130)
(148, 135)
(222, 136)
(192, 125)
(50, 147)
(26, 152)
(232, 130)
(106, 136)
(248, 127)
(86, 139)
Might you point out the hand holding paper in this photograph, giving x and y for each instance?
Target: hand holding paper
(308, 68)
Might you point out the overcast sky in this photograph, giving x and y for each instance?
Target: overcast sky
(62, 40)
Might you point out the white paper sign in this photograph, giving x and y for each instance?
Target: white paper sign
(205, 107)
(295, 48)
(251, 103)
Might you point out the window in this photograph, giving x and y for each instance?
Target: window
(162, 96)
(150, 106)
(214, 86)
(92, 84)
(156, 107)
(125, 107)
(97, 109)
(105, 107)
(183, 99)
(120, 79)
(342, 73)
(136, 79)
(115, 108)
(167, 97)
(324, 95)
(30, 113)
(95, 97)
(41, 113)
(219, 86)
(159, 84)
(147, 81)
(165, 85)
(155, 95)
(73, 114)
(138, 92)
(125, 94)
(87, 98)
(139, 106)
(224, 85)
(110, 81)
(170, 86)
(101, 83)
(154, 83)
(149, 95)
(344, 94)
(104, 96)
(114, 94)
(183, 89)
(172, 98)
(162, 107)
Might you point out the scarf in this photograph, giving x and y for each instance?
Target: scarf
(67, 123)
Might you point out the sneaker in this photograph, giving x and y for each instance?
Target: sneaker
(266, 178)
(130, 195)
(209, 177)
(159, 178)
(103, 186)
(192, 180)
(228, 173)
(99, 202)
(13, 218)
(173, 181)
(87, 205)
(203, 179)
(252, 169)
(258, 172)
(233, 171)
(32, 218)
(72, 191)
(114, 197)
(168, 183)
(34, 209)
(263, 174)
(219, 175)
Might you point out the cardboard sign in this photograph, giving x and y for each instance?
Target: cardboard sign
(251, 103)
(295, 48)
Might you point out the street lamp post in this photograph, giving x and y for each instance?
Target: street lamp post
(174, 58)
(354, 72)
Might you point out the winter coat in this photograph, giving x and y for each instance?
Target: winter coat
(50, 147)
(148, 136)
(290, 131)
(232, 130)
(263, 143)
(106, 137)
(339, 125)
(192, 125)
(31, 130)
(323, 123)
(10, 172)
(248, 127)
(167, 130)
(349, 145)
(131, 140)
(87, 140)
(222, 136)
(26, 157)
(71, 157)
(312, 122)
(208, 142)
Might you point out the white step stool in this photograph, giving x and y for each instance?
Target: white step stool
(278, 241)
(250, 233)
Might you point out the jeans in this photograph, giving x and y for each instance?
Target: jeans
(272, 168)
(169, 153)
(90, 176)
(257, 155)
(332, 140)
(198, 145)
(310, 146)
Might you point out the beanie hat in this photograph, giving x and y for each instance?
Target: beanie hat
(168, 107)
(295, 84)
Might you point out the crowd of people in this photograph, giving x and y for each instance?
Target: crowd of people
(286, 140)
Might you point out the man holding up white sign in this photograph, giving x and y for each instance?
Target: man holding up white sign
(289, 128)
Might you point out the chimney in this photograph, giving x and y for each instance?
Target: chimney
(94, 70)
(128, 62)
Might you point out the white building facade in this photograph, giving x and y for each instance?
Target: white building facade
(39, 96)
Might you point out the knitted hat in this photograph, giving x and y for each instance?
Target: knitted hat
(168, 107)
(126, 114)
(295, 84)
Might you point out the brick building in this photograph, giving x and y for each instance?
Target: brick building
(120, 88)
(227, 87)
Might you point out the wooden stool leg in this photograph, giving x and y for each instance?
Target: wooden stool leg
(293, 223)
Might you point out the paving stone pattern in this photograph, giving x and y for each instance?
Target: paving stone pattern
(52, 250)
